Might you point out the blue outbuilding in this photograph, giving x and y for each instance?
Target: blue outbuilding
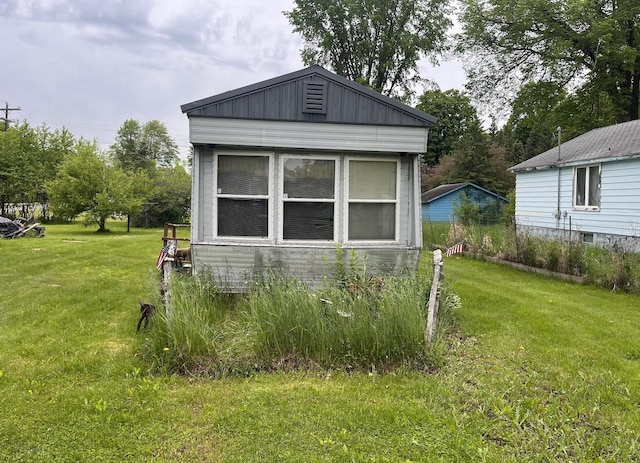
(439, 203)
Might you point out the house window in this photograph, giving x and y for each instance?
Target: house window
(242, 196)
(586, 188)
(308, 198)
(372, 200)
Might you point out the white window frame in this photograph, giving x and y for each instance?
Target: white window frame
(268, 197)
(586, 206)
(336, 200)
(348, 200)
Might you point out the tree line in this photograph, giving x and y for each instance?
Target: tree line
(139, 176)
(538, 64)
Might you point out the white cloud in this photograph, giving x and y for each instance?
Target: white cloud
(91, 65)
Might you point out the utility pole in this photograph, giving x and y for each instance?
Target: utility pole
(6, 119)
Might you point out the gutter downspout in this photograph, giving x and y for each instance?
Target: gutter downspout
(558, 214)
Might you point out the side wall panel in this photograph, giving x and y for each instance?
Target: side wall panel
(234, 266)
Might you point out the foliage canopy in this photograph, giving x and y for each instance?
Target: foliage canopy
(374, 42)
(573, 43)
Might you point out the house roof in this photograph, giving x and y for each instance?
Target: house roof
(619, 141)
(443, 190)
(312, 94)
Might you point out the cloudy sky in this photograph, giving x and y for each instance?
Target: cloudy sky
(89, 65)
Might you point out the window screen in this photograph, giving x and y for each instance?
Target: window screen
(372, 180)
(308, 199)
(372, 200)
(243, 217)
(243, 175)
(243, 196)
(371, 221)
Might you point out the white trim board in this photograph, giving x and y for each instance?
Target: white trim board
(305, 135)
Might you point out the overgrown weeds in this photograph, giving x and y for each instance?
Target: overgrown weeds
(610, 267)
(349, 324)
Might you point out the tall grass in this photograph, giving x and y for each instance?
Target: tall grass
(282, 323)
(610, 267)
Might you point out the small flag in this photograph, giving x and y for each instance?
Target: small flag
(455, 249)
(162, 256)
(167, 251)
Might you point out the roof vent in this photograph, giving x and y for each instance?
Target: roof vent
(314, 99)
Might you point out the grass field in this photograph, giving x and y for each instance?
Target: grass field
(539, 370)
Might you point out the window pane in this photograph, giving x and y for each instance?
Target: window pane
(307, 178)
(594, 186)
(243, 175)
(581, 182)
(308, 221)
(370, 221)
(372, 180)
(243, 217)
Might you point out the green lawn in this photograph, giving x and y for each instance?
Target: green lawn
(539, 370)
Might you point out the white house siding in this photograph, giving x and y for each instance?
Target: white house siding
(233, 266)
(536, 197)
(619, 212)
(304, 135)
(617, 221)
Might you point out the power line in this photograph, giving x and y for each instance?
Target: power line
(6, 119)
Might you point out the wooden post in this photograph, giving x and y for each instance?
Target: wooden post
(166, 287)
(432, 314)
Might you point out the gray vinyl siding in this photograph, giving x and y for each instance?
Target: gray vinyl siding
(346, 103)
(301, 135)
(233, 266)
(619, 212)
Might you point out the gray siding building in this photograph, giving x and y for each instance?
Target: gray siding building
(286, 170)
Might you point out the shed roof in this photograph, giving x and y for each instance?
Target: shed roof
(448, 188)
(609, 143)
(312, 94)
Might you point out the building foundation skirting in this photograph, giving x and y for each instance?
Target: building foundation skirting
(604, 240)
(235, 267)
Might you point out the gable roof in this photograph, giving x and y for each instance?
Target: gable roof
(448, 188)
(312, 94)
(619, 141)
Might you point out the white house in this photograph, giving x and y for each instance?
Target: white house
(286, 170)
(588, 187)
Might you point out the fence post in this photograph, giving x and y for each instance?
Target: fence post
(432, 313)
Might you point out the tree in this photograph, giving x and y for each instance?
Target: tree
(143, 146)
(169, 200)
(87, 185)
(474, 161)
(374, 42)
(567, 42)
(541, 107)
(455, 114)
(29, 157)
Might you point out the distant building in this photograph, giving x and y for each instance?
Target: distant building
(587, 187)
(439, 203)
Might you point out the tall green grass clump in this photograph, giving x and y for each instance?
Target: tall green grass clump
(381, 323)
(187, 336)
(352, 323)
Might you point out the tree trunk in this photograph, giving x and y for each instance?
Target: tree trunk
(101, 225)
